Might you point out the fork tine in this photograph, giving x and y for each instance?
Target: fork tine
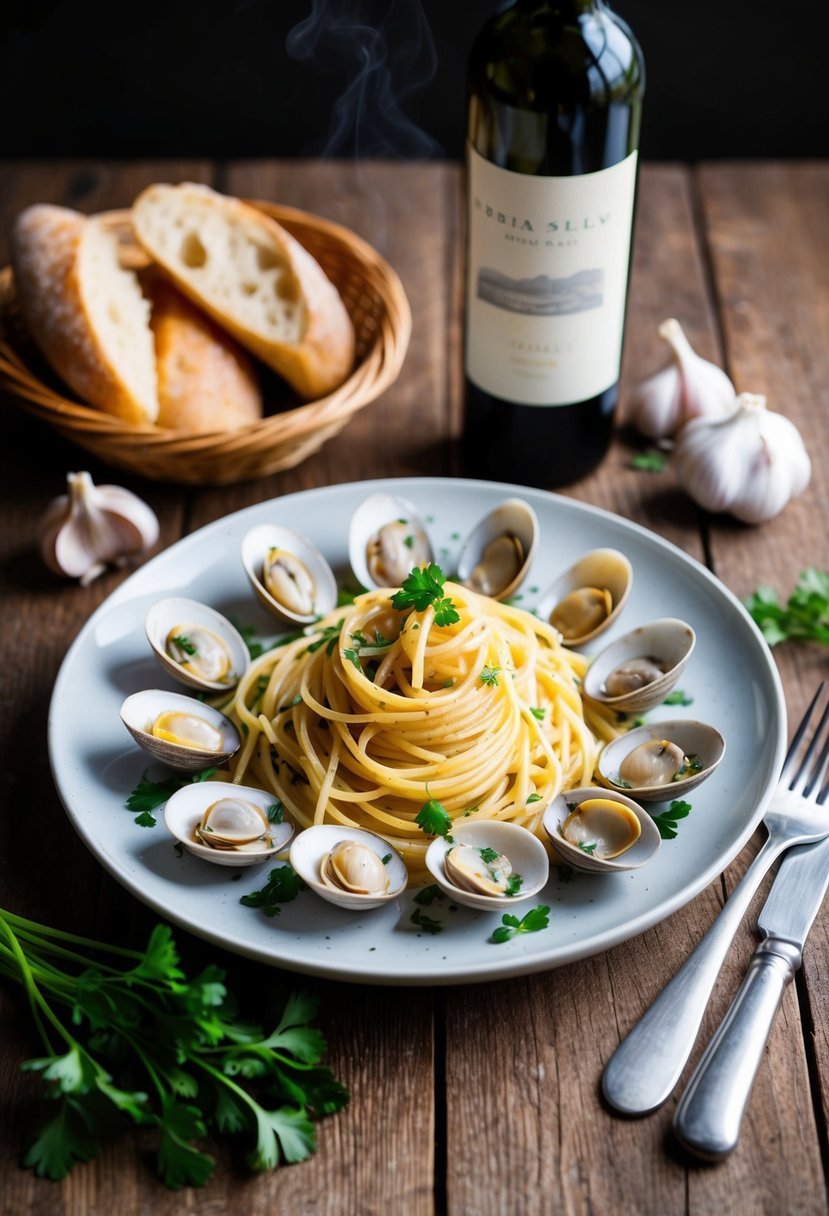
(798, 737)
(819, 770)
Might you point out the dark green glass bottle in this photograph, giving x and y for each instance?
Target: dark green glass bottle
(555, 97)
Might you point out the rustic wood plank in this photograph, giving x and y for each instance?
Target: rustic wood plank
(771, 277)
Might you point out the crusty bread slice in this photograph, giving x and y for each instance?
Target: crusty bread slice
(86, 313)
(206, 382)
(253, 278)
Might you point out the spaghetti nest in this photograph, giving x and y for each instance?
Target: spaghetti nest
(376, 711)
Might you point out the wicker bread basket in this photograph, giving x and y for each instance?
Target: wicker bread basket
(378, 308)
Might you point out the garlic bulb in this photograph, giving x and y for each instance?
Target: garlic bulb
(91, 526)
(749, 463)
(689, 387)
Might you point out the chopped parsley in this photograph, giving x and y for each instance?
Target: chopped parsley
(678, 697)
(652, 461)
(489, 675)
(488, 855)
(329, 636)
(433, 819)
(514, 884)
(276, 812)
(428, 895)
(149, 795)
(425, 922)
(588, 848)
(539, 713)
(183, 643)
(804, 617)
(351, 656)
(533, 798)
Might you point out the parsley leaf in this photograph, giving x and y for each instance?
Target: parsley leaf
(667, 822)
(488, 855)
(805, 616)
(428, 895)
(149, 795)
(489, 675)
(514, 884)
(351, 656)
(539, 713)
(433, 819)
(282, 887)
(329, 636)
(533, 798)
(536, 919)
(422, 588)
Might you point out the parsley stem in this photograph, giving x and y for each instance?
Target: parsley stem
(25, 927)
(39, 1004)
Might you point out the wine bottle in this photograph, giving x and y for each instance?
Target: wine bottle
(555, 97)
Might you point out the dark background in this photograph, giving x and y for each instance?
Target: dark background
(726, 78)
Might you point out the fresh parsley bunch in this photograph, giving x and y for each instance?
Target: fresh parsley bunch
(141, 1043)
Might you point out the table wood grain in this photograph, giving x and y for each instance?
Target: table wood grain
(479, 1100)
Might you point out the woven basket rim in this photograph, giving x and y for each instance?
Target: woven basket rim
(378, 368)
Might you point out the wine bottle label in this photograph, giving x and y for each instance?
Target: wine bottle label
(546, 281)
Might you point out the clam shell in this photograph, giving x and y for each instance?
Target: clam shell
(371, 515)
(310, 846)
(639, 854)
(669, 641)
(694, 738)
(511, 517)
(140, 710)
(525, 851)
(255, 546)
(603, 568)
(167, 613)
(184, 810)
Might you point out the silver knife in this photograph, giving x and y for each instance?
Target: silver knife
(707, 1119)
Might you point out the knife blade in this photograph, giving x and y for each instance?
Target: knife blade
(707, 1119)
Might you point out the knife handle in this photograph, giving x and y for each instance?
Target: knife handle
(707, 1119)
(645, 1067)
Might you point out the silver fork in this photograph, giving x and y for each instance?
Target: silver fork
(647, 1064)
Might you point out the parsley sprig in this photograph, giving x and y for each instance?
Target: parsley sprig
(282, 887)
(149, 795)
(423, 588)
(128, 1038)
(433, 819)
(804, 617)
(668, 821)
(534, 920)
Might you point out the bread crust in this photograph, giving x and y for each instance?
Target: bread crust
(46, 259)
(322, 357)
(205, 381)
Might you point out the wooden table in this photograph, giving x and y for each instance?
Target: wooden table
(481, 1099)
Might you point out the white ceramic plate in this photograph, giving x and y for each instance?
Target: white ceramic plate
(731, 678)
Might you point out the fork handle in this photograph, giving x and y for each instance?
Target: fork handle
(645, 1067)
(707, 1119)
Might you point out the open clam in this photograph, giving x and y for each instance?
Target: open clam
(229, 825)
(600, 833)
(288, 574)
(180, 731)
(488, 864)
(196, 645)
(348, 867)
(662, 760)
(637, 671)
(497, 554)
(386, 539)
(586, 600)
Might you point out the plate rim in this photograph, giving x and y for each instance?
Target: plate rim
(505, 967)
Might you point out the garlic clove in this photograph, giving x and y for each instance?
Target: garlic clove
(750, 463)
(689, 387)
(92, 526)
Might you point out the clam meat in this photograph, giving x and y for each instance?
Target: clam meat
(187, 730)
(200, 652)
(394, 549)
(233, 823)
(656, 762)
(632, 675)
(582, 612)
(289, 581)
(354, 867)
(386, 540)
(498, 552)
(483, 871)
(601, 827)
